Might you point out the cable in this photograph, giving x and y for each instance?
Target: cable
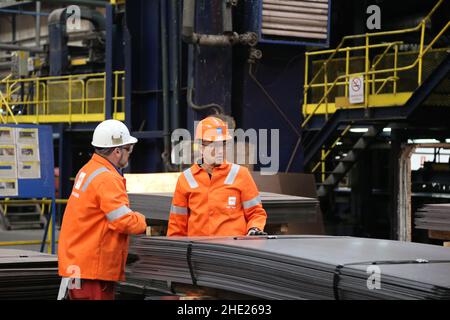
(250, 72)
(294, 152)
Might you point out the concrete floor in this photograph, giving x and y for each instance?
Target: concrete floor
(23, 235)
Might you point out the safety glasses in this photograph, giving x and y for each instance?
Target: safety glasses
(215, 144)
(128, 148)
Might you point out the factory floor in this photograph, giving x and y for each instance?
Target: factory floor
(23, 235)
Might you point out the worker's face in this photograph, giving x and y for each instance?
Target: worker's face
(123, 155)
(214, 153)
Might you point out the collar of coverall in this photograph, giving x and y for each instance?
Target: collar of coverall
(106, 163)
(196, 167)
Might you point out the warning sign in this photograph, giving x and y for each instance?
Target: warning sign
(356, 90)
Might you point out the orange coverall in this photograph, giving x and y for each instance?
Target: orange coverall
(227, 204)
(93, 243)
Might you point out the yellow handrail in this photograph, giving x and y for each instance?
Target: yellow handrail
(327, 153)
(67, 98)
(8, 109)
(368, 71)
(6, 78)
(32, 201)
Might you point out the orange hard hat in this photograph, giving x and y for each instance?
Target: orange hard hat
(212, 129)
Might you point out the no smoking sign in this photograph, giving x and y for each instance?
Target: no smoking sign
(356, 90)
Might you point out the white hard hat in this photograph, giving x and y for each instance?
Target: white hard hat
(112, 133)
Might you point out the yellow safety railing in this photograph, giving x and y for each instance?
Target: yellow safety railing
(5, 109)
(71, 98)
(371, 74)
(326, 152)
(45, 205)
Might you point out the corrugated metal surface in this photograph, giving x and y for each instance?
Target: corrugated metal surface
(295, 19)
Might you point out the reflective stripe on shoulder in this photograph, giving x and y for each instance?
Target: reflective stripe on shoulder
(232, 174)
(190, 178)
(92, 176)
(117, 213)
(178, 210)
(252, 202)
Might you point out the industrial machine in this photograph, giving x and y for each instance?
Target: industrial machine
(286, 65)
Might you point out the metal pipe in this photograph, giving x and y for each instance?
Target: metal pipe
(215, 40)
(188, 19)
(80, 2)
(165, 84)
(229, 39)
(38, 24)
(227, 17)
(174, 65)
(24, 12)
(13, 47)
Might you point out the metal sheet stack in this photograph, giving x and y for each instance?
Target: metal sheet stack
(299, 267)
(280, 208)
(433, 217)
(28, 275)
(299, 19)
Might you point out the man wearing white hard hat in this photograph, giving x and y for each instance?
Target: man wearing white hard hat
(93, 243)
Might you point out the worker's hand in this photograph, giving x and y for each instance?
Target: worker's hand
(256, 232)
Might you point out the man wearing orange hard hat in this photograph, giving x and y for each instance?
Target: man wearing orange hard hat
(214, 197)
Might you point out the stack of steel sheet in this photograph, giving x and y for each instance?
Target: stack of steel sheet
(433, 217)
(28, 275)
(299, 267)
(280, 208)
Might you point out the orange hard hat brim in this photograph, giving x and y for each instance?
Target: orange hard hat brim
(217, 138)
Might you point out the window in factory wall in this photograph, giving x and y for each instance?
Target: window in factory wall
(421, 156)
(430, 166)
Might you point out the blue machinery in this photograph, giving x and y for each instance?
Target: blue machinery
(167, 84)
(173, 76)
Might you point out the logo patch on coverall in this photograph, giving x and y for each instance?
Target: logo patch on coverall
(231, 203)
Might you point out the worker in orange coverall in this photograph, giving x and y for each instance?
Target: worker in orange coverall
(93, 243)
(215, 198)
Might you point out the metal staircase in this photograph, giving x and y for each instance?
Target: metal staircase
(346, 163)
(15, 216)
(396, 86)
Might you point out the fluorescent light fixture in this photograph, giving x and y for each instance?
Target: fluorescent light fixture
(447, 140)
(387, 129)
(339, 143)
(359, 130)
(424, 141)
